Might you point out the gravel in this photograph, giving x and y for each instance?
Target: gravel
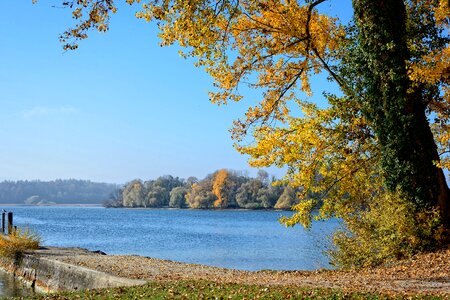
(425, 274)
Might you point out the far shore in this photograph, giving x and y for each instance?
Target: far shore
(142, 208)
(57, 204)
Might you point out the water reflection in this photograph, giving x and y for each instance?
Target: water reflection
(12, 287)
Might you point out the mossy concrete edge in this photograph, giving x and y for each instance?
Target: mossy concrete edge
(42, 273)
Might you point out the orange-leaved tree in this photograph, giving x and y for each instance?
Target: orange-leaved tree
(219, 182)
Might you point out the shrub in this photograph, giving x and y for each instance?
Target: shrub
(16, 244)
(389, 229)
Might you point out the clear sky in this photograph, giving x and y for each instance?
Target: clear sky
(118, 108)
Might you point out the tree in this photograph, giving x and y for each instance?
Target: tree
(168, 182)
(115, 198)
(157, 196)
(397, 105)
(200, 195)
(225, 187)
(270, 192)
(133, 194)
(287, 199)
(158, 191)
(386, 137)
(220, 179)
(190, 181)
(177, 197)
(263, 176)
(58, 191)
(247, 194)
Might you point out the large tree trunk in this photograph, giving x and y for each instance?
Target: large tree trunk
(430, 178)
(395, 108)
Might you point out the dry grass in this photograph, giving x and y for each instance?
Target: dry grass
(21, 240)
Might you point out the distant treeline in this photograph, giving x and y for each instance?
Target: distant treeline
(222, 189)
(59, 191)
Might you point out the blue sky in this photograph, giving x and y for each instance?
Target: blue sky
(120, 107)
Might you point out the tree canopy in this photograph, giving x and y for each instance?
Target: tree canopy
(385, 137)
(60, 191)
(221, 189)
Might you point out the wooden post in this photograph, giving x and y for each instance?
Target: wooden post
(3, 221)
(10, 222)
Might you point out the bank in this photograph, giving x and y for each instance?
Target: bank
(53, 269)
(43, 271)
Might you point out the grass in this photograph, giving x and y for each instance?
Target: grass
(19, 241)
(201, 289)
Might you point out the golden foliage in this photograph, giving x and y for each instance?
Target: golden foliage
(89, 14)
(276, 47)
(218, 183)
(374, 236)
(330, 153)
(200, 195)
(20, 241)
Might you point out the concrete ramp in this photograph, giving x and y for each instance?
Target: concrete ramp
(43, 271)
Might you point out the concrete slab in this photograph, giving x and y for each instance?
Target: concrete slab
(41, 270)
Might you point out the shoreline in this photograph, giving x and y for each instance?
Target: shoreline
(145, 208)
(57, 269)
(43, 271)
(52, 205)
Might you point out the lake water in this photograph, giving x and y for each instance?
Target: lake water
(11, 287)
(240, 239)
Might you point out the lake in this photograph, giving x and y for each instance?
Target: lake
(11, 287)
(240, 239)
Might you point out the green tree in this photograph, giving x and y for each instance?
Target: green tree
(157, 196)
(178, 197)
(190, 181)
(397, 106)
(247, 194)
(158, 191)
(133, 194)
(270, 192)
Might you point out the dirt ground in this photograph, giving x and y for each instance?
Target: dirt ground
(426, 273)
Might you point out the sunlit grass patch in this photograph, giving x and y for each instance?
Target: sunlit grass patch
(201, 289)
